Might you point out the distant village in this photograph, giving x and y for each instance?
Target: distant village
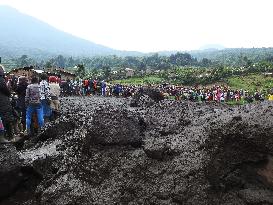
(31, 71)
(65, 75)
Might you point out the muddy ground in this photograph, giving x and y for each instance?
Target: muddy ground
(110, 151)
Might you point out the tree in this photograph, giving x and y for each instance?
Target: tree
(205, 62)
(48, 64)
(23, 61)
(60, 61)
(106, 71)
(182, 59)
(80, 70)
(70, 62)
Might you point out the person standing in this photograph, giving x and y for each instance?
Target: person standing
(33, 102)
(45, 93)
(95, 86)
(55, 91)
(21, 92)
(86, 87)
(103, 88)
(6, 114)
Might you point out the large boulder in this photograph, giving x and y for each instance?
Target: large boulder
(241, 151)
(146, 97)
(143, 100)
(113, 126)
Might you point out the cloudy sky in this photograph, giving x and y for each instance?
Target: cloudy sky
(153, 25)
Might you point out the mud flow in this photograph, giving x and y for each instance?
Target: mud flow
(144, 150)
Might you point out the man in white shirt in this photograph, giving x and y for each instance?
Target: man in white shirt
(55, 91)
(45, 93)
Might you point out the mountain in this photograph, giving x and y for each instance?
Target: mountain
(22, 34)
(212, 47)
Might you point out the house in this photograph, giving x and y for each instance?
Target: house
(268, 74)
(148, 71)
(29, 72)
(129, 72)
(60, 72)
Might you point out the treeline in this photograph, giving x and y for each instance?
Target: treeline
(212, 59)
(154, 62)
(207, 58)
(193, 68)
(204, 76)
(235, 56)
(179, 68)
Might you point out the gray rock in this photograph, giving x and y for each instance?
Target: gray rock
(10, 170)
(167, 153)
(257, 196)
(112, 126)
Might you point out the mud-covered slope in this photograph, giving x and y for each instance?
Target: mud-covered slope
(102, 151)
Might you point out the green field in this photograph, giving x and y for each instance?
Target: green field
(251, 82)
(140, 80)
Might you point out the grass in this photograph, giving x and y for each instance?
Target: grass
(251, 82)
(139, 80)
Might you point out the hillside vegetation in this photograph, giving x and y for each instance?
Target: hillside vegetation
(251, 82)
(179, 68)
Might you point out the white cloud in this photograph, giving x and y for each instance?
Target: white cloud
(152, 25)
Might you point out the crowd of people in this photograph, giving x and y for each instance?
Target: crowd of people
(26, 101)
(214, 93)
(198, 94)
